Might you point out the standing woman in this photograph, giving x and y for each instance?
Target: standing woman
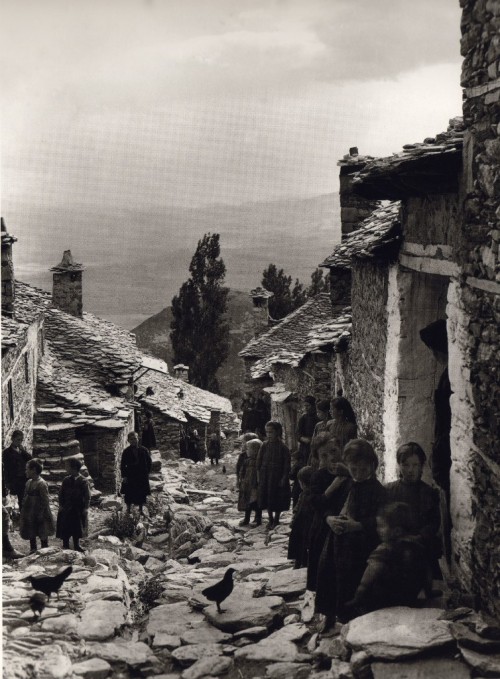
(135, 470)
(343, 425)
(148, 439)
(273, 469)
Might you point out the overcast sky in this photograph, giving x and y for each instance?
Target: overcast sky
(187, 102)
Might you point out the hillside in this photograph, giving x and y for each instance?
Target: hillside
(153, 336)
(137, 260)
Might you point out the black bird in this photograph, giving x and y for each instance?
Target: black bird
(224, 469)
(48, 584)
(220, 591)
(37, 603)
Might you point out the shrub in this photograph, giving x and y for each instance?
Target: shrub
(149, 591)
(122, 525)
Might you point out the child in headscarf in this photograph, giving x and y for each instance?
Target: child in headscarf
(247, 499)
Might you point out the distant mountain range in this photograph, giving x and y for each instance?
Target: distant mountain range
(153, 336)
(137, 259)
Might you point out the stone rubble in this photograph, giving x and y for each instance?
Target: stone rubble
(107, 623)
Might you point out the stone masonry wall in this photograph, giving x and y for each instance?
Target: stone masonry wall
(19, 369)
(363, 369)
(432, 220)
(480, 297)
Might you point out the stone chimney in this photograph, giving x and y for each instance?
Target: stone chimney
(67, 292)
(260, 298)
(8, 281)
(353, 208)
(181, 372)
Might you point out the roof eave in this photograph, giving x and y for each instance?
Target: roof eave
(411, 177)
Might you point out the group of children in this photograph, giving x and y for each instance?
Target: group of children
(36, 521)
(365, 546)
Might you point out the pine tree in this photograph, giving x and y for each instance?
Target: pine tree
(199, 331)
(319, 283)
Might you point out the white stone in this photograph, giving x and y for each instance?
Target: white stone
(54, 665)
(425, 668)
(213, 666)
(287, 670)
(204, 634)
(241, 612)
(393, 633)
(133, 653)
(288, 583)
(187, 655)
(95, 668)
(169, 641)
(101, 619)
(171, 618)
(277, 647)
(60, 623)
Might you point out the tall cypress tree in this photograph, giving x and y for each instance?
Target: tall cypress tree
(199, 330)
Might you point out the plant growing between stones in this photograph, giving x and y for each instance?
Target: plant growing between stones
(122, 525)
(149, 591)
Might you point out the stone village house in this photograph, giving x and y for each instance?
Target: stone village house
(294, 357)
(68, 378)
(430, 253)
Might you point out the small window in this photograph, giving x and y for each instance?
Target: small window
(27, 367)
(11, 399)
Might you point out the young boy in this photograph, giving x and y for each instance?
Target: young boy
(74, 501)
(395, 572)
(36, 520)
(247, 499)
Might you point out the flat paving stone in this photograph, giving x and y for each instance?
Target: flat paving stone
(394, 633)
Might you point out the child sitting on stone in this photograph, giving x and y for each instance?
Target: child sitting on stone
(395, 572)
(247, 498)
(36, 520)
(74, 501)
(423, 504)
(301, 523)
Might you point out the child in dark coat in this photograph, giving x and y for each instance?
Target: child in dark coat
(301, 523)
(74, 501)
(247, 498)
(36, 520)
(395, 572)
(273, 469)
(325, 500)
(354, 532)
(214, 449)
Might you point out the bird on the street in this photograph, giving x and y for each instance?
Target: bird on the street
(37, 603)
(48, 584)
(224, 469)
(221, 590)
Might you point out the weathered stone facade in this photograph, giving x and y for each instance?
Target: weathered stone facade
(480, 297)
(19, 370)
(362, 368)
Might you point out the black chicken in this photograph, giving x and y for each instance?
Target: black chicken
(220, 591)
(37, 603)
(48, 584)
(224, 470)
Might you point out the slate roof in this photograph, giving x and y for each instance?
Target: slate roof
(196, 403)
(309, 328)
(421, 168)
(378, 237)
(88, 363)
(30, 304)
